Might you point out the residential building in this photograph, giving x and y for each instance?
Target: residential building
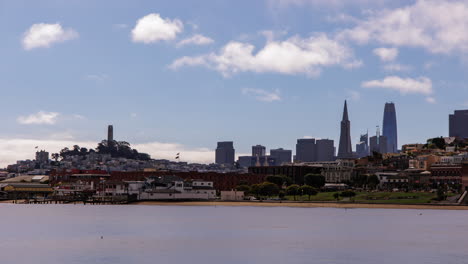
(42, 157)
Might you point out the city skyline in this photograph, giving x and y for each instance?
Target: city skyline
(168, 93)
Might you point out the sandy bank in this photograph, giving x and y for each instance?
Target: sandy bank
(305, 205)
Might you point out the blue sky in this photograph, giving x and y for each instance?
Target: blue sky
(177, 76)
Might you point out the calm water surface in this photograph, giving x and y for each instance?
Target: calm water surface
(174, 234)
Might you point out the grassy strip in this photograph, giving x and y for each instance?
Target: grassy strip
(373, 197)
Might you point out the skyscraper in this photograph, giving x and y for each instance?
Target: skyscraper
(344, 150)
(325, 150)
(225, 153)
(306, 150)
(258, 150)
(378, 143)
(362, 148)
(390, 128)
(281, 155)
(458, 124)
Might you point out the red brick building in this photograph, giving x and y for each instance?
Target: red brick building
(446, 174)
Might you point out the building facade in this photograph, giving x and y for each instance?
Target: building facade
(458, 124)
(258, 150)
(344, 150)
(325, 150)
(390, 128)
(225, 153)
(305, 150)
(281, 156)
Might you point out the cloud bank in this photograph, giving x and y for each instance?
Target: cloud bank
(292, 56)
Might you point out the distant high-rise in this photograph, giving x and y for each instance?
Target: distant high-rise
(378, 143)
(225, 153)
(325, 150)
(362, 148)
(306, 150)
(390, 128)
(281, 155)
(258, 150)
(344, 150)
(110, 133)
(458, 124)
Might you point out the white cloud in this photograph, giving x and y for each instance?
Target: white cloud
(386, 54)
(292, 56)
(44, 35)
(152, 28)
(263, 95)
(196, 39)
(39, 118)
(159, 150)
(431, 100)
(396, 67)
(436, 25)
(14, 149)
(421, 85)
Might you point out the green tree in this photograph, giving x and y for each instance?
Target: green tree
(243, 188)
(293, 190)
(269, 189)
(255, 190)
(281, 195)
(314, 180)
(279, 180)
(373, 181)
(441, 194)
(308, 190)
(336, 196)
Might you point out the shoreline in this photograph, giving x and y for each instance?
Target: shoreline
(305, 205)
(289, 204)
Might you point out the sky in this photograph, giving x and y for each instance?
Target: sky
(178, 76)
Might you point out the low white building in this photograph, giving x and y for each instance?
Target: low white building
(232, 195)
(175, 188)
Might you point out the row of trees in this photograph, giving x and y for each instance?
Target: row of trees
(117, 149)
(281, 185)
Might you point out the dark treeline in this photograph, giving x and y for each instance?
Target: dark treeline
(117, 149)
